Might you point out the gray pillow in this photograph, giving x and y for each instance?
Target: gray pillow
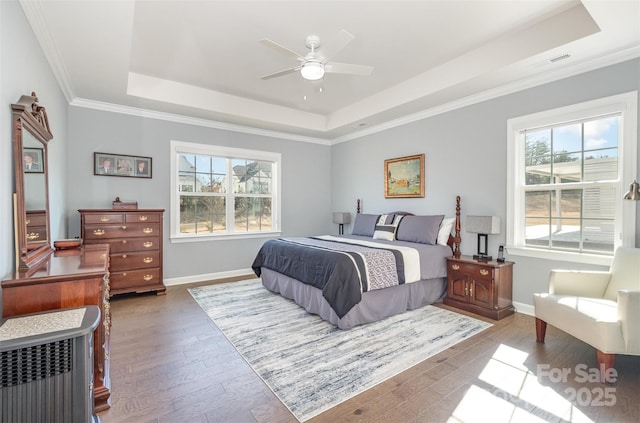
(422, 229)
(365, 224)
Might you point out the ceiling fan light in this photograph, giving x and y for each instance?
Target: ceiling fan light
(312, 71)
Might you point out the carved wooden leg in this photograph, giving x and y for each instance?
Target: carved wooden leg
(541, 330)
(606, 362)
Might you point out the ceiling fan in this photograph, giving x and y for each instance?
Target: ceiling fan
(317, 62)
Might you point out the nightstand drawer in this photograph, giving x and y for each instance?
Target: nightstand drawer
(478, 270)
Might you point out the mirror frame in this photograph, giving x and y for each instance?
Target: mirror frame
(29, 116)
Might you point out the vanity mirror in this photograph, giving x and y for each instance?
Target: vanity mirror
(31, 209)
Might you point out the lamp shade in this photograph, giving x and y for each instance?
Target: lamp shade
(483, 225)
(634, 192)
(341, 217)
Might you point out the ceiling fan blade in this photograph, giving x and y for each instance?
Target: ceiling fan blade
(349, 69)
(335, 45)
(282, 49)
(281, 73)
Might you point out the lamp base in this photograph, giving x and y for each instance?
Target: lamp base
(482, 257)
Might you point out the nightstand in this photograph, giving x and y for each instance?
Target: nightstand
(482, 287)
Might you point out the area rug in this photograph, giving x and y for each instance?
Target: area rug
(310, 364)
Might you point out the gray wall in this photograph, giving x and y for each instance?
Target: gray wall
(305, 183)
(23, 69)
(466, 155)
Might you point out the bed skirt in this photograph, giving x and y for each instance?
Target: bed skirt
(375, 305)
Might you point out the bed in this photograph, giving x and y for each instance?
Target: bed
(391, 263)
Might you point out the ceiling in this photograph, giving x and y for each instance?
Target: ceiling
(201, 61)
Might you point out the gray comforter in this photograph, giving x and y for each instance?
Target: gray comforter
(343, 270)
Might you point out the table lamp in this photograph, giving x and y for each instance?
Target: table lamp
(483, 226)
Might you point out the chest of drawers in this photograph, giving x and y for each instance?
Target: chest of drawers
(135, 240)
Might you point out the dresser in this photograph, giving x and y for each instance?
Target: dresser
(482, 287)
(66, 279)
(135, 240)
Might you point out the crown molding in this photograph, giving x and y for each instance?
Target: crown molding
(151, 114)
(531, 82)
(537, 80)
(34, 15)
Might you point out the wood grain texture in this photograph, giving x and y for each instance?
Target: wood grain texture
(170, 363)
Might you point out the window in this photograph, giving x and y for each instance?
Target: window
(568, 170)
(223, 192)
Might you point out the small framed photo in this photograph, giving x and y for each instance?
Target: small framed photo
(109, 164)
(33, 160)
(404, 177)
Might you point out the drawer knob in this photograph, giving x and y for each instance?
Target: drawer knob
(104, 218)
(148, 244)
(484, 272)
(455, 266)
(124, 256)
(147, 278)
(98, 232)
(143, 218)
(124, 241)
(147, 230)
(124, 228)
(147, 260)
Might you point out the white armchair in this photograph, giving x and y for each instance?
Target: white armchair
(599, 308)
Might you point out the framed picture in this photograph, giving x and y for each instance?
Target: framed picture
(109, 164)
(32, 159)
(404, 177)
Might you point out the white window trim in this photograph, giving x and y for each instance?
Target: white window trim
(177, 147)
(627, 104)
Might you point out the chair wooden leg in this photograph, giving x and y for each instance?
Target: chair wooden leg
(541, 330)
(606, 362)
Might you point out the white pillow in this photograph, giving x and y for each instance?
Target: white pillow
(445, 230)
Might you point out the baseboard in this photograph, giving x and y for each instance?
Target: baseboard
(208, 277)
(524, 308)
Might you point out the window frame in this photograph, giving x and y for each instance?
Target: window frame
(182, 147)
(625, 215)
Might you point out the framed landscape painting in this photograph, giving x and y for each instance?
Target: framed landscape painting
(404, 177)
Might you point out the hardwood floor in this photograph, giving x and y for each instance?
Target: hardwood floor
(170, 363)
